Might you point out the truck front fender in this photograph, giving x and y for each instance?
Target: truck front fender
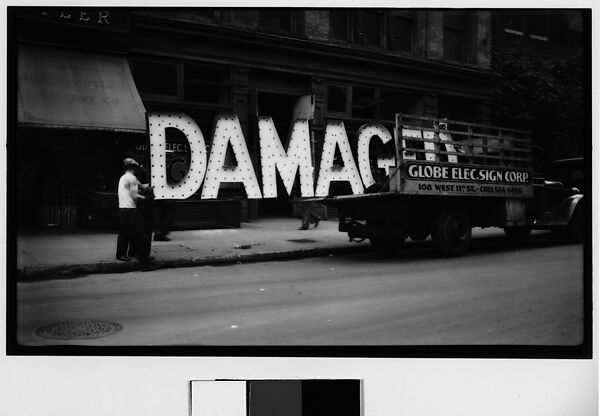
(561, 214)
(574, 201)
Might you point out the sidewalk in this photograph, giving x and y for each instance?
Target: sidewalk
(59, 254)
(68, 253)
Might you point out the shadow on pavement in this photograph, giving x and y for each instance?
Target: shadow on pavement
(479, 247)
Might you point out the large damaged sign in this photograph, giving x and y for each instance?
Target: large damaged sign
(208, 168)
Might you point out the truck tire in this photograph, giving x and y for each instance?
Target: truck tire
(451, 232)
(517, 235)
(575, 229)
(388, 245)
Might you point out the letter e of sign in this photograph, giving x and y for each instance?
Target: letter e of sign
(83, 17)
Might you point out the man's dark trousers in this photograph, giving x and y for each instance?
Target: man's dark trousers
(132, 230)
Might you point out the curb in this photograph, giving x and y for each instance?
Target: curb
(32, 274)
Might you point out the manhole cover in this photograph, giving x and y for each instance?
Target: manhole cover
(303, 240)
(85, 329)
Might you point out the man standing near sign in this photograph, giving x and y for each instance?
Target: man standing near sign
(131, 222)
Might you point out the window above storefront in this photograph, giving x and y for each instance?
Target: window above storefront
(182, 81)
(401, 32)
(156, 78)
(365, 102)
(455, 36)
(531, 24)
(370, 103)
(392, 30)
(367, 25)
(281, 20)
(337, 99)
(205, 84)
(537, 32)
(339, 25)
(276, 19)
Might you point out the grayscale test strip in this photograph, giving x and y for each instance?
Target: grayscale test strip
(331, 397)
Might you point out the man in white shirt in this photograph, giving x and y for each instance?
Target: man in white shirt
(132, 225)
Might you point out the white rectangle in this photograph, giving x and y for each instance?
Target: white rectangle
(218, 398)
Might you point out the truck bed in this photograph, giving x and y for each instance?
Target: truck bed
(452, 158)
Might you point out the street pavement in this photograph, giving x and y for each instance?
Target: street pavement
(531, 295)
(62, 253)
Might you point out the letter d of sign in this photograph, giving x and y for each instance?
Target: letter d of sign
(335, 135)
(228, 130)
(157, 125)
(274, 158)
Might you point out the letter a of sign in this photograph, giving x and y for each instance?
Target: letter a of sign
(335, 135)
(157, 125)
(274, 158)
(228, 130)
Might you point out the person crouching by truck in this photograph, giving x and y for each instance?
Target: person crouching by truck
(310, 215)
(131, 222)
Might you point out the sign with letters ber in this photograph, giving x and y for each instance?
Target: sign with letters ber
(453, 179)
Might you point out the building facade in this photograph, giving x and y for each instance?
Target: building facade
(105, 68)
(542, 58)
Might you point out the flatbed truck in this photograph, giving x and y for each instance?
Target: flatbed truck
(451, 176)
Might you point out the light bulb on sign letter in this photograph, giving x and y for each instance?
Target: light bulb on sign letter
(335, 135)
(190, 183)
(275, 159)
(365, 133)
(228, 130)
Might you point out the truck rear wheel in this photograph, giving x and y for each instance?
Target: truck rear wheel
(451, 232)
(388, 237)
